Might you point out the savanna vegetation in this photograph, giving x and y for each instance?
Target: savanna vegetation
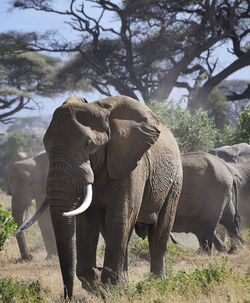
(190, 277)
(144, 49)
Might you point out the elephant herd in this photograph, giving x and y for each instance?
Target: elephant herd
(110, 167)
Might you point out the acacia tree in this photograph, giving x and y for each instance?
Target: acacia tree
(22, 76)
(150, 47)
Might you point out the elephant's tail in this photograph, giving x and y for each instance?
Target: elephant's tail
(237, 217)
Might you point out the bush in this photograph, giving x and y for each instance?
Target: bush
(19, 292)
(239, 134)
(23, 141)
(182, 282)
(193, 132)
(140, 248)
(7, 226)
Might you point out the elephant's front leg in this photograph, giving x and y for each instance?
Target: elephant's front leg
(17, 213)
(119, 225)
(87, 234)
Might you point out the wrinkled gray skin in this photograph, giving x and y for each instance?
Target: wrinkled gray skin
(207, 198)
(133, 162)
(241, 173)
(26, 180)
(240, 155)
(235, 154)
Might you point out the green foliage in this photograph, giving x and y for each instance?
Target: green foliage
(20, 292)
(245, 234)
(7, 226)
(241, 133)
(140, 248)
(217, 107)
(182, 282)
(22, 141)
(193, 132)
(22, 76)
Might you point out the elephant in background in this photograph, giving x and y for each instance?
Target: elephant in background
(241, 173)
(25, 181)
(207, 198)
(238, 156)
(127, 165)
(235, 154)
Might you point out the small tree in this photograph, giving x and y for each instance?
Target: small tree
(7, 226)
(23, 141)
(193, 132)
(242, 131)
(218, 108)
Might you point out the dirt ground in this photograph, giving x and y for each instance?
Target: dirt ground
(47, 272)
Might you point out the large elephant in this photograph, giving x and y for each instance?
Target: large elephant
(26, 180)
(120, 149)
(207, 198)
(235, 153)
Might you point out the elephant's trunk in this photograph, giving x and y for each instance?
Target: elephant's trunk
(64, 228)
(65, 184)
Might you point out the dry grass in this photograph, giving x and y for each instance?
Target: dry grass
(49, 276)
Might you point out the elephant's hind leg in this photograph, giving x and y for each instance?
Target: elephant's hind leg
(218, 243)
(230, 221)
(158, 235)
(206, 236)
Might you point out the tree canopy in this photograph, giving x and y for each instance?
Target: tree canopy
(146, 48)
(21, 77)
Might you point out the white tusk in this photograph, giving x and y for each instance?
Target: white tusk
(34, 218)
(85, 204)
(27, 215)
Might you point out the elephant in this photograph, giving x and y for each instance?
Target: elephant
(25, 181)
(238, 157)
(235, 154)
(207, 198)
(116, 154)
(241, 174)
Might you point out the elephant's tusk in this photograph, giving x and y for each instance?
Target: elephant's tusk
(27, 215)
(85, 204)
(34, 218)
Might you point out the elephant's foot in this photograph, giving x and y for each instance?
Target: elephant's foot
(203, 251)
(51, 256)
(95, 287)
(91, 281)
(111, 278)
(235, 248)
(26, 257)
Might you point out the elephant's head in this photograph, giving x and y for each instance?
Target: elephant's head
(109, 135)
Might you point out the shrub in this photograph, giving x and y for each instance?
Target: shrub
(140, 248)
(239, 134)
(22, 141)
(182, 282)
(20, 292)
(7, 226)
(193, 132)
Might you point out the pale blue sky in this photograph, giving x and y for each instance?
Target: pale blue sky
(30, 20)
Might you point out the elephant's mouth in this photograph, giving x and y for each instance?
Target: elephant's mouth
(83, 207)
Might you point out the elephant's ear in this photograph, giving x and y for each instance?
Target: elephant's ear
(134, 129)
